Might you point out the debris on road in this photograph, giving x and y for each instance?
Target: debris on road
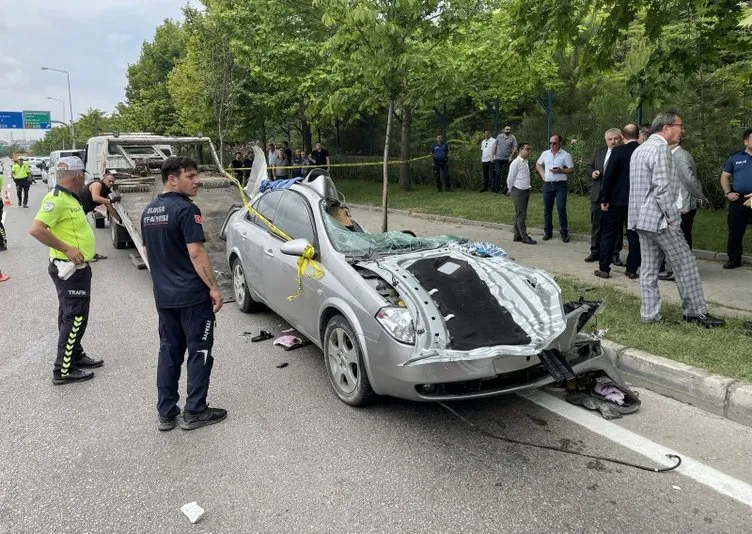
(247, 333)
(282, 365)
(291, 339)
(192, 511)
(263, 335)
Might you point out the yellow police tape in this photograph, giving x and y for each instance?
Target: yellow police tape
(311, 165)
(304, 262)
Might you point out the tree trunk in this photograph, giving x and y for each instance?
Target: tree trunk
(305, 134)
(385, 189)
(407, 127)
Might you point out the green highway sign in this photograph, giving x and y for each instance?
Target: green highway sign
(37, 120)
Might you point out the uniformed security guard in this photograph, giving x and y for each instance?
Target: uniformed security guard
(61, 225)
(186, 294)
(20, 172)
(736, 181)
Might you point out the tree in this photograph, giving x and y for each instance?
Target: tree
(394, 61)
(148, 105)
(92, 123)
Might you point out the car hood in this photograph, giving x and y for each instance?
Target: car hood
(466, 306)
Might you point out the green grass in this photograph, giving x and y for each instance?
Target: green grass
(710, 230)
(724, 351)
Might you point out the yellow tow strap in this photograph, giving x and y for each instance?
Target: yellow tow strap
(304, 262)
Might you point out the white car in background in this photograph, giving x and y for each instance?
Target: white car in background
(34, 167)
(54, 157)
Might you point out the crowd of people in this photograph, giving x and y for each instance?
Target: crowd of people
(643, 185)
(282, 162)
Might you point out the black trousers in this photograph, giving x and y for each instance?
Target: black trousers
(73, 297)
(500, 176)
(612, 225)
(441, 172)
(739, 217)
(488, 175)
(22, 189)
(188, 329)
(3, 237)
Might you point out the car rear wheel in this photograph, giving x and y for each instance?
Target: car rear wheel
(343, 359)
(243, 297)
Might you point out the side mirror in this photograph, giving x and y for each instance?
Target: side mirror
(296, 247)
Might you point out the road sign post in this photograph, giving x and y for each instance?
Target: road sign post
(37, 120)
(11, 120)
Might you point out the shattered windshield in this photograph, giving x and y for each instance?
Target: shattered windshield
(345, 239)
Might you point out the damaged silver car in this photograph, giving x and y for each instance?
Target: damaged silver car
(419, 318)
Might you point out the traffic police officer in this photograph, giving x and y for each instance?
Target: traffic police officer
(186, 294)
(62, 226)
(21, 172)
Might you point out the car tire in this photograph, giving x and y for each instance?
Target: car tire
(243, 297)
(343, 359)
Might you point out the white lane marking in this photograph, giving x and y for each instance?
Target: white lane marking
(720, 482)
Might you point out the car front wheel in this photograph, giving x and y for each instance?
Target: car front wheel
(343, 359)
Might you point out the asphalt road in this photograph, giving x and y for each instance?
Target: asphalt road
(292, 458)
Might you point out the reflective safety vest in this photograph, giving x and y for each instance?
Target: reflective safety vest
(20, 172)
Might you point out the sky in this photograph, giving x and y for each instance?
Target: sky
(94, 40)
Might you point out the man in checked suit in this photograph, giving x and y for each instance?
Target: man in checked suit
(654, 214)
(595, 171)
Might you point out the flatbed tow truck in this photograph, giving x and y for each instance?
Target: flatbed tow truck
(136, 161)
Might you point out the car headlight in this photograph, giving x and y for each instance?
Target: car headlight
(398, 322)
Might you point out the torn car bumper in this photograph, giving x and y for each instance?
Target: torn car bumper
(430, 380)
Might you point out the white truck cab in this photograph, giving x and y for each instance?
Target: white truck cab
(133, 151)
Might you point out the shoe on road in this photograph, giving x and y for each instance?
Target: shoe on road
(565, 238)
(208, 416)
(601, 274)
(706, 320)
(75, 375)
(88, 363)
(168, 423)
(667, 276)
(546, 237)
(517, 239)
(631, 275)
(529, 240)
(731, 265)
(617, 261)
(591, 258)
(4, 277)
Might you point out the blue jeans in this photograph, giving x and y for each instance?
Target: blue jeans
(555, 191)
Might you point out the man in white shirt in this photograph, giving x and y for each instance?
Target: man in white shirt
(518, 187)
(487, 151)
(553, 166)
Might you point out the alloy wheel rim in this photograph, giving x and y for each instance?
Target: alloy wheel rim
(343, 361)
(238, 282)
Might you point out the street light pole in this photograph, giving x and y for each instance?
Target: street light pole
(70, 101)
(63, 103)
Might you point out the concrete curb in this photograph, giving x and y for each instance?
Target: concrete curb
(719, 395)
(707, 255)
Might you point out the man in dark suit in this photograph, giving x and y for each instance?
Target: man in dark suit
(595, 171)
(614, 203)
